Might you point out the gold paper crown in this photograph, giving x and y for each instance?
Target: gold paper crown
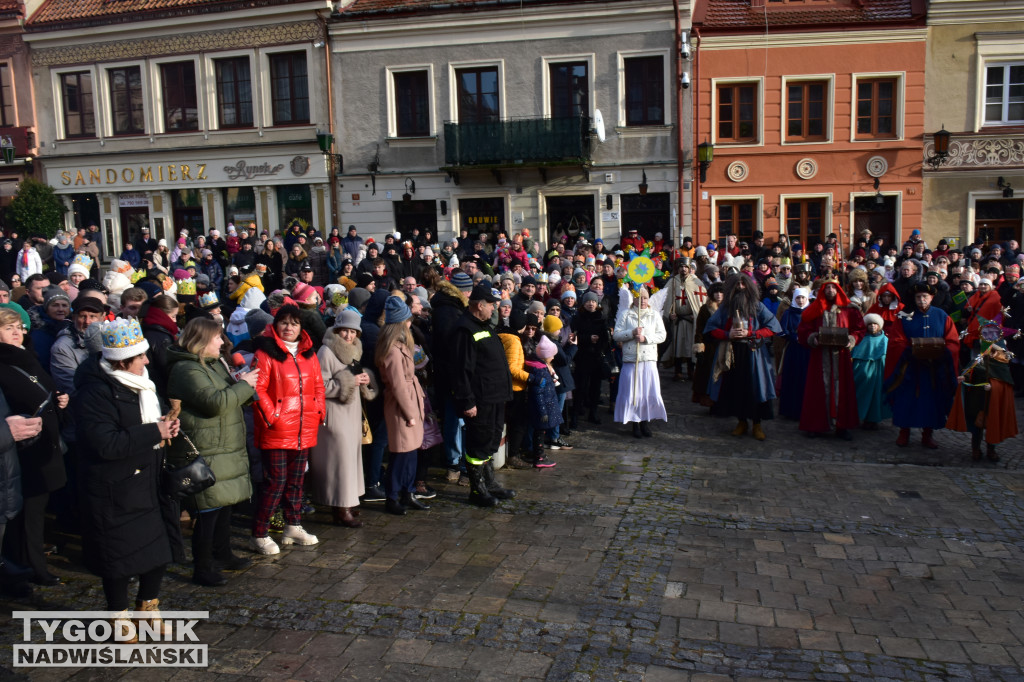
(187, 287)
(207, 300)
(83, 260)
(122, 339)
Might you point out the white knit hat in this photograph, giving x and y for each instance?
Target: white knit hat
(122, 339)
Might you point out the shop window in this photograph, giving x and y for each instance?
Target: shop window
(234, 93)
(289, 88)
(645, 91)
(478, 94)
(999, 220)
(295, 205)
(806, 111)
(570, 90)
(570, 216)
(412, 103)
(482, 215)
(415, 214)
(736, 217)
(126, 100)
(239, 206)
(737, 113)
(1004, 94)
(805, 221)
(76, 96)
(181, 109)
(876, 108)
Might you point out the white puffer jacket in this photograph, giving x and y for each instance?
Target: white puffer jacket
(654, 333)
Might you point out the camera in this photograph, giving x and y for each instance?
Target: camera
(685, 80)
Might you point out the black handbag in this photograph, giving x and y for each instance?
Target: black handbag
(194, 477)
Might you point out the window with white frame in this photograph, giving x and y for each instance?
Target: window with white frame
(878, 106)
(1004, 93)
(808, 107)
(644, 90)
(478, 94)
(410, 95)
(234, 92)
(127, 113)
(180, 98)
(78, 112)
(289, 88)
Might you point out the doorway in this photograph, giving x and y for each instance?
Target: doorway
(648, 214)
(999, 220)
(85, 210)
(410, 215)
(878, 217)
(188, 211)
(484, 215)
(570, 217)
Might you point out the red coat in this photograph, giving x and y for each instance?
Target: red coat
(986, 306)
(840, 404)
(289, 394)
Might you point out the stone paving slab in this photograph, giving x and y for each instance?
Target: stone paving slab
(689, 556)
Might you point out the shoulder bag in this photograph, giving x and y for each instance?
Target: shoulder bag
(192, 478)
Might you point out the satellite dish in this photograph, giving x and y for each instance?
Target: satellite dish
(599, 125)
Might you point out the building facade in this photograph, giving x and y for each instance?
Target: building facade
(17, 113)
(485, 118)
(975, 91)
(815, 111)
(182, 115)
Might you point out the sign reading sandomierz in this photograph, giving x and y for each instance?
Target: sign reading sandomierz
(90, 639)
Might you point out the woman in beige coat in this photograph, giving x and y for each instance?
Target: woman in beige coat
(403, 405)
(336, 463)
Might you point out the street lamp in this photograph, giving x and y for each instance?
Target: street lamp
(705, 155)
(7, 148)
(643, 183)
(410, 189)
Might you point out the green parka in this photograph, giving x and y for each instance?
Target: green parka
(211, 416)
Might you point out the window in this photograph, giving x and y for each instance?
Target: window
(570, 90)
(412, 103)
(999, 220)
(126, 100)
(234, 93)
(806, 111)
(289, 88)
(806, 218)
(645, 91)
(876, 108)
(738, 218)
(76, 95)
(1004, 93)
(181, 110)
(6, 96)
(737, 112)
(478, 94)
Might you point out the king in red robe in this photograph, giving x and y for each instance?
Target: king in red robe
(830, 394)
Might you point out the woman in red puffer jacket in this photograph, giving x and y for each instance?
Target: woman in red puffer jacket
(288, 412)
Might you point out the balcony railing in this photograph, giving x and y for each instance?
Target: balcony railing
(528, 141)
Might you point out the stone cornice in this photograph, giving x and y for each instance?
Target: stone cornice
(956, 12)
(188, 43)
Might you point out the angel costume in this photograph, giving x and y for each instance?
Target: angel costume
(639, 398)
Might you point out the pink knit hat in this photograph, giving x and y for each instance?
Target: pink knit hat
(546, 348)
(302, 292)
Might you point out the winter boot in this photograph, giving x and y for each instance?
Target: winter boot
(976, 446)
(343, 516)
(478, 493)
(492, 485)
(758, 432)
(222, 554)
(636, 430)
(154, 626)
(409, 501)
(927, 440)
(741, 428)
(990, 453)
(204, 573)
(904, 438)
(645, 429)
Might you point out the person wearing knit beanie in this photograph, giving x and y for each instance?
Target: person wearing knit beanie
(589, 296)
(358, 298)
(256, 321)
(462, 282)
(395, 310)
(552, 324)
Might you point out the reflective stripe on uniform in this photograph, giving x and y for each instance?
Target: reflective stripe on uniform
(481, 335)
(477, 462)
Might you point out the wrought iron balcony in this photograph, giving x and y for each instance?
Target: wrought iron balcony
(518, 142)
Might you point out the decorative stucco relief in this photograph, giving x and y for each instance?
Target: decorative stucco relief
(981, 152)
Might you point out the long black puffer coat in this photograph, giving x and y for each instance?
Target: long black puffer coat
(10, 469)
(124, 533)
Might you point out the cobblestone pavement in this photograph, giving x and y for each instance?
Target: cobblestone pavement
(692, 555)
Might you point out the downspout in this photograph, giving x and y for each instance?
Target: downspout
(695, 37)
(680, 133)
(332, 174)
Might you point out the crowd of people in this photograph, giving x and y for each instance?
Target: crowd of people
(336, 373)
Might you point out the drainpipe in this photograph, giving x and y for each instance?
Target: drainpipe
(332, 175)
(680, 134)
(695, 38)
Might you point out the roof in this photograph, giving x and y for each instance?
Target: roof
(10, 7)
(60, 13)
(365, 8)
(739, 14)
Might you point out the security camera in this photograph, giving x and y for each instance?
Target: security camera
(685, 80)
(685, 51)
(684, 42)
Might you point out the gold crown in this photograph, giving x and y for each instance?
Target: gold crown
(187, 287)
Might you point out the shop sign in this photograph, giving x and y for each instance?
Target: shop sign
(133, 200)
(172, 172)
(242, 170)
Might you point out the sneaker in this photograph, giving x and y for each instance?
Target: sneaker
(308, 509)
(452, 476)
(517, 462)
(552, 445)
(264, 546)
(543, 463)
(277, 521)
(374, 494)
(561, 444)
(463, 480)
(295, 535)
(424, 491)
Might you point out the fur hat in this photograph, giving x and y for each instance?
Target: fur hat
(873, 318)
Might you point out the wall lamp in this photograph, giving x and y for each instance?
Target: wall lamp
(643, 183)
(410, 189)
(705, 155)
(1006, 187)
(879, 198)
(940, 140)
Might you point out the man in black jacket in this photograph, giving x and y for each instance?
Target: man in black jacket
(448, 305)
(481, 385)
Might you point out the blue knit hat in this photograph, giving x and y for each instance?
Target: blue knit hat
(395, 310)
(462, 281)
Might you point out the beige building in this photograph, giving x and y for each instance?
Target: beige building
(183, 115)
(974, 89)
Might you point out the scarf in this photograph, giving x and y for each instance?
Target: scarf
(149, 404)
(292, 346)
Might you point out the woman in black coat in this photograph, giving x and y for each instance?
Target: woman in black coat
(118, 418)
(30, 391)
